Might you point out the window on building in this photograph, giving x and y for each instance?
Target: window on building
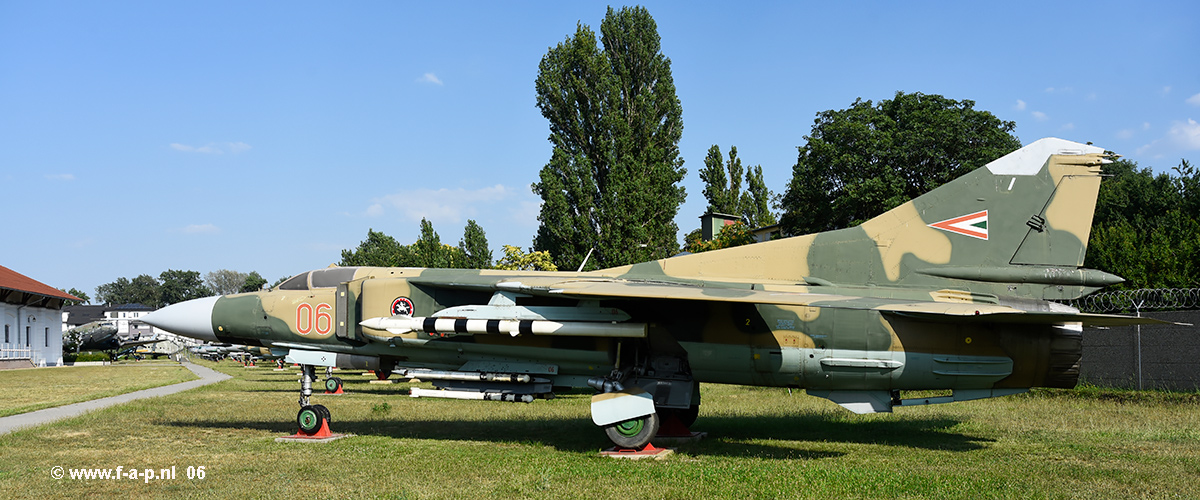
(27, 329)
(47, 336)
(5, 334)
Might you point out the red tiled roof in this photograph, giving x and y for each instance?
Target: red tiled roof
(13, 280)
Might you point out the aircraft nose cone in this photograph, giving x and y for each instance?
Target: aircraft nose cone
(192, 318)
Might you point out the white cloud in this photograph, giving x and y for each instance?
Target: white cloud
(1020, 105)
(1166, 90)
(430, 78)
(1181, 136)
(1185, 135)
(1068, 126)
(456, 205)
(1040, 116)
(450, 205)
(61, 177)
(238, 147)
(1194, 100)
(200, 229)
(1145, 125)
(1125, 134)
(212, 148)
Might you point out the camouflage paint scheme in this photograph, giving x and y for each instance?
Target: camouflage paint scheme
(948, 291)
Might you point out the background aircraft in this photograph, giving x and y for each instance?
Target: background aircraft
(951, 290)
(102, 336)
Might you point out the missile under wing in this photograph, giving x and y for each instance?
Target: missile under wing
(951, 291)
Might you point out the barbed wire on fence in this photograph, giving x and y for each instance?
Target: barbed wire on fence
(1146, 299)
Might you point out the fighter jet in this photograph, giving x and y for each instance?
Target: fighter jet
(954, 290)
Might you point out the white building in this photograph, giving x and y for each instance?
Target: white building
(32, 321)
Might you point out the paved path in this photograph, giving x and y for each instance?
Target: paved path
(35, 418)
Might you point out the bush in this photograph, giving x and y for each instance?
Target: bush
(84, 357)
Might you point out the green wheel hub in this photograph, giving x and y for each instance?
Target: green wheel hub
(631, 428)
(310, 418)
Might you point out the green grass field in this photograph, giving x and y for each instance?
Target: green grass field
(762, 443)
(37, 388)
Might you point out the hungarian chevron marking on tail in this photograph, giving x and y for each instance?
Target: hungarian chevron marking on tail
(973, 225)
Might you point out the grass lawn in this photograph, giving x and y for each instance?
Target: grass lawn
(763, 443)
(37, 388)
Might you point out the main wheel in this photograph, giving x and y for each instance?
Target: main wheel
(310, 419)
(634, 433)
(332, 384)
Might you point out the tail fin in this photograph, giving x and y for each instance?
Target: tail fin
(1023, 220)
(1018, 226)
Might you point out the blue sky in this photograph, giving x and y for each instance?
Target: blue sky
(137, 137)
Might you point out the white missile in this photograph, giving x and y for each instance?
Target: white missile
(418, 392)
(401, 324)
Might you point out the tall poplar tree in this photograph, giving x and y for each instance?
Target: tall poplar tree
(725, 194)
(615, 122)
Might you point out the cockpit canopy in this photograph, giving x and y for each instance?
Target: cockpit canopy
(320, 278)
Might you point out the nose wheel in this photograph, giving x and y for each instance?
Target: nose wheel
(313, 420)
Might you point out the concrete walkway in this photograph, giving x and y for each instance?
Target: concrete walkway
(39, 417)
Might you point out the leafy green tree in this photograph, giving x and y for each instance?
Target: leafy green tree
(869, 158)
(379, 250)
(725, 194)
(431, 252)
(225, 281)
(722, 192)
(178, 286)
(254, 282)
(143, 289)
(731, 235)
(516, 260)
(615, 122)
(756, 201)
(1147, 227)
(474, 246)
(76, 293)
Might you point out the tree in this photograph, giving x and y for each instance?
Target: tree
(431, 252)
(254, 282)
(516, 260)
(731, 235)
(225, 281)
(143, 289)
(76, 293)
(475, 246)
(178, 286)
(865, 160)
(725, 194)
(615, 122)
(379, 250)
(1147, 228)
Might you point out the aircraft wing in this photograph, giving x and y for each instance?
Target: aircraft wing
(609, 288)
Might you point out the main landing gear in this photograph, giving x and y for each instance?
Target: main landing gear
(656, 397)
